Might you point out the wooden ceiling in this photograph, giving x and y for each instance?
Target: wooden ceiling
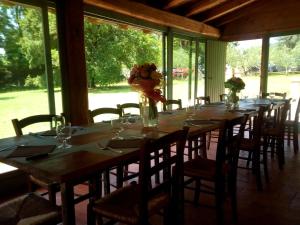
(225, 19)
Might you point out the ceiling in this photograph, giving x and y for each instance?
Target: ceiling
(224, 19)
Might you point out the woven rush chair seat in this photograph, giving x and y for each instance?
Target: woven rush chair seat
(29, 209)
(127, 199)
(204, 168)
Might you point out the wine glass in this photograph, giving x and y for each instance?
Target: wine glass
(64, 133)
(56, 123)
(117, 128)
(190, 110)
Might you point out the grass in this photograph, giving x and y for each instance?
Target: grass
(20, 104)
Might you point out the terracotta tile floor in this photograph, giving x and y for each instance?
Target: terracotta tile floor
(277, 204)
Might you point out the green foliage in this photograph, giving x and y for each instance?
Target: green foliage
(34, 82)
(109, 49)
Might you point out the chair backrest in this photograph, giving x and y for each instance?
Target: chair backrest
(297, 112)
(20, 124)
(258, 123)
(172, 177)
(125, 106)
(275, 94)
(172, 102)
(203, 99)
(223, 97)
(105, 110)
(228, 150)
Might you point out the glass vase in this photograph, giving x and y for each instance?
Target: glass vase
(149, 111)
(233, 99)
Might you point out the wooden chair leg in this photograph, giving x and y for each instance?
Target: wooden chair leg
(256, 166)
(219, 204)
(280, 153)
(91, 217)
(197, 191)
(265, 159)
(106, 180)
(295, 139)
(52, 194)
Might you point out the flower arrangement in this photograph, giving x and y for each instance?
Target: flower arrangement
(146, 79)
(235, 84)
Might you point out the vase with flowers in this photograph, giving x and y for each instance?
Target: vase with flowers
(148, 82)
(235, 85)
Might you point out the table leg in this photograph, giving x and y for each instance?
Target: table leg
(67, 204)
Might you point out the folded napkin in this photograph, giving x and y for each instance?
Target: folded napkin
(126, 143)
(29, 151)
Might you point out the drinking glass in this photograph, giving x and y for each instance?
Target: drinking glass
(117, 128)
(64, 133)
(190, 110)
(57, 122)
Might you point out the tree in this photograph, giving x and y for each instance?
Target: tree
(110, 48)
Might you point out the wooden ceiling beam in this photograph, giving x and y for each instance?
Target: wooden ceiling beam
(175, 3)
(230, 17)
(160, 17)
(268, 19)
(203, 6)
(225, 9)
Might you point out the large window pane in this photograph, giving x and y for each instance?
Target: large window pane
(183, 69)
(284, 67)
(243, 60)
(111, 51)
(23, 82)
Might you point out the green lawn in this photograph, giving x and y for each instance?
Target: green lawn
(19, 104)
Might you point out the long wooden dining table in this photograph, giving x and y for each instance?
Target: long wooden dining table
(86, 159)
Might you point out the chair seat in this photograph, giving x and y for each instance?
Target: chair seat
(122, 204)
(274, 132)
(29, 209)
(247, 144)
(199, 167)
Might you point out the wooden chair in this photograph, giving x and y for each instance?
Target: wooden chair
(274, 94)
(202, 99)
(18, 125)
(125, 106)
(292, 129)
(172, 102)
(274, 135)
(223, 97)
(101, 111)
(135, 203)
(252, 145)
(29, 209)
(220, 171)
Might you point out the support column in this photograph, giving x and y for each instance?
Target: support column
(264, 64)
(70, 22)
(170, 64)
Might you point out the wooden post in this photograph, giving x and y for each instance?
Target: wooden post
(264, 64)
(70, 22)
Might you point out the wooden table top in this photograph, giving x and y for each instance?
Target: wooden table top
(85, 157)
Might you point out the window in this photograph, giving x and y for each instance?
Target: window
(112, 49)
(243, 60)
